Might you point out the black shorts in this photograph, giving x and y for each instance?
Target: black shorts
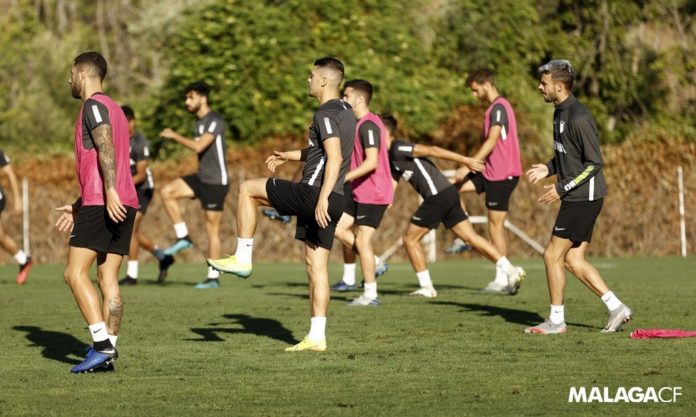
(297, 199)
(212, 196)
(144, 198)
(95, 230)
(3, 200)
(349, 203)
(364, 214)
(576, 220)
(497, 192)
(444, 207)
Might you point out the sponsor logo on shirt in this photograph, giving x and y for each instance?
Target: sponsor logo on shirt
(407, 175)
(559, 147)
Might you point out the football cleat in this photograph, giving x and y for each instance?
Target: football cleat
(364, 300)
(495, 288)
(547, 327)
(307, 344)
(232, 266)
(128, 281)
(274, 215)
(209, 283)
(95, 361)
(164, 265)
(427, 292)
(381, 268)
(24, 271)
(458, 246)
(515, 279)
(341, 286)
(617, 317)
(178, 246)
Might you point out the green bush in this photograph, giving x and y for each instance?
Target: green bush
(257, 56)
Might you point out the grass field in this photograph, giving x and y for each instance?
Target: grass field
(220, 352)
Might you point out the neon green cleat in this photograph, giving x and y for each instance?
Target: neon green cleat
(231, 266)
(307, 344)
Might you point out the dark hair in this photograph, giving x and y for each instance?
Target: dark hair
(362, 86)
(200, 87)
(330, 63)
(560, 70)
(480, 76)
(389, 122)
(128, 111)
(93, 60)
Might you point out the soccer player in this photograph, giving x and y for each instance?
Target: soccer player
(370, 187)
(102, 219)
(577, 165)
(501, 151)
(145, 186)
(210, 184)
(440, 205)
(317, 200)
(7, 242)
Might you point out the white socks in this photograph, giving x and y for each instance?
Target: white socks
(371, 289)
(317, 330)
(132, 269)
(349, 274)
(112, 339)
(98, 332)
(244, 249)
(500, 276)
(505, 265)
(181, 230)
(213, 274)
(611, 301)
(424, 279)
(21, 257)
(557, 314)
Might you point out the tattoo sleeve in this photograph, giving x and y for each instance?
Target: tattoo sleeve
(103, 141)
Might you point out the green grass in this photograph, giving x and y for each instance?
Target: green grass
(220, 352)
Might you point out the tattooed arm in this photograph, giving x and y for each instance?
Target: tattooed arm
(103, 141)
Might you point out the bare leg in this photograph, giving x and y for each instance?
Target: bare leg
(134, 243)
(317, 263)
(466, 232)
(107, 279)
(144, 241)
(496, 230)
(175, 190)
(348, 255)
(554, 261)
(252, 195)
(76, 275)
(415, 251)
(7, 242)
(586, 273)
(212, 227)
(344, 232)
(363, 241)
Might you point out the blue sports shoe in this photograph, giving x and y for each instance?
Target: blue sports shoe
(381, 269)
(95, 361)
(178, 246)
(341, 286)
(458, 246)
(207, 284)
(274, 215)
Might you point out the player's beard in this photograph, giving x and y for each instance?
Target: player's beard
(193, 109)
(75, 91)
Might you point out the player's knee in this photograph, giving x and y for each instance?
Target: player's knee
(550, 256)
(70, 275)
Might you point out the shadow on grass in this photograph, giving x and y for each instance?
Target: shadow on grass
(57, 346)
(244, 324)
(509, 314)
